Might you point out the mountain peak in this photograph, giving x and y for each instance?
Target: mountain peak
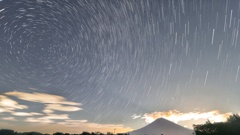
(162, 119)
(163, 126)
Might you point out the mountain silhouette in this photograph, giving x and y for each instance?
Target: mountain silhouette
(162, 126)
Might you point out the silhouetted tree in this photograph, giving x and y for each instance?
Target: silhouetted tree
(33, 133)
(233, 118)
(98, 133)
(7, 132)
(122, 134)
(231, 127)
(85, 133)
(58, 133)
(109, 133)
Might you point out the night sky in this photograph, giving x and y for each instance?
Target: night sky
(100, 65)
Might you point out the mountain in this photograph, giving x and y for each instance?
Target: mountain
(162, 126)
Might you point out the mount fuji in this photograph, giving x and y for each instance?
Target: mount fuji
(162, 126)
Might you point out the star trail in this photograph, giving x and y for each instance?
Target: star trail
(106, 64)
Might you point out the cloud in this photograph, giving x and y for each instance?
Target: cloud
(134, 116)
(41, 98)
(55, 116)
(48, 119)
(25, 113)
(32, 88)
(9, 105)
(9, 118)
(77, 123)
(58, 107)
(37, 120)
(48, 111)
(73, 123)
(176, 116)
(52, 103)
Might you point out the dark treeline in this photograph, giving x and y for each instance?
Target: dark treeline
(230, 127)
(12, 132)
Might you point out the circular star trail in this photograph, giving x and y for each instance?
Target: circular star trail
(120, 58)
